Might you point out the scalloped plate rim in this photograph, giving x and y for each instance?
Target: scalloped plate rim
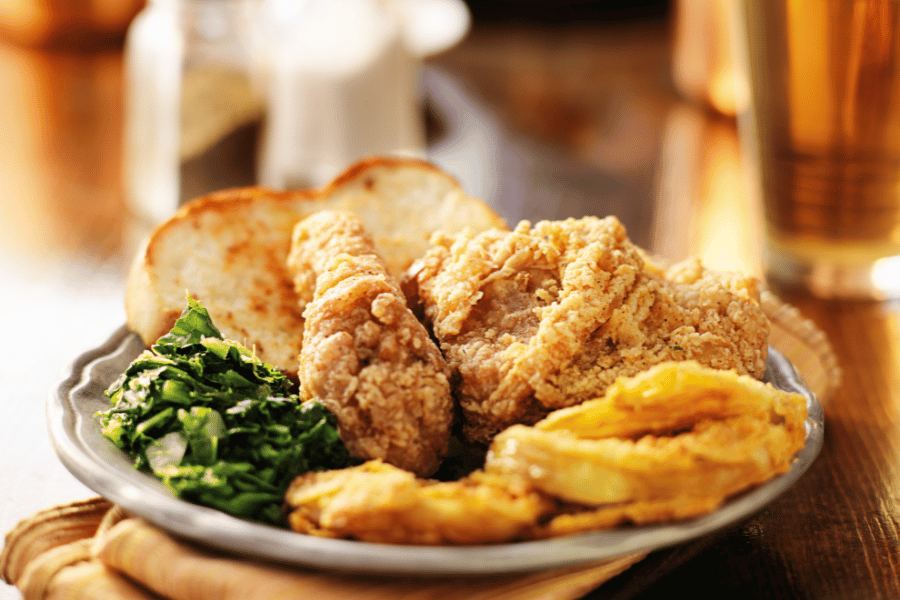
(76, 438)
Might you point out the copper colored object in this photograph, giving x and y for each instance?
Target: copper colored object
(78, 24)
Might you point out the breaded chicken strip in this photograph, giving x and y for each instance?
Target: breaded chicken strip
(546, 317)
(679, 431)
(375, 502)
(364, 354)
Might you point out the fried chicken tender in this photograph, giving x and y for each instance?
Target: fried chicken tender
(674, 396)
(674, 441)
(375, 502)
(580, 519)
(364, 354)
(548, 316)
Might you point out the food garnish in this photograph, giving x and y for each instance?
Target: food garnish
(215, 424)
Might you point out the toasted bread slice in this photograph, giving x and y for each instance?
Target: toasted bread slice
(402, 202)
(229, 249)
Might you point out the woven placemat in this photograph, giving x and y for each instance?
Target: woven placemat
(92, 550)
(125, 558)
(805, 345)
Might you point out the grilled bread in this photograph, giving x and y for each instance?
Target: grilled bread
(229, 249)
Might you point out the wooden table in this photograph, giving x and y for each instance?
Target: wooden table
(581, 121)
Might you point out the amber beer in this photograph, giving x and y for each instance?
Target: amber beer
(825, 129)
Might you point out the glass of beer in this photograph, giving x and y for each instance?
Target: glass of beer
(822, 132)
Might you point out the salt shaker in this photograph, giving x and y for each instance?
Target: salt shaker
(283, 93)
(347, 84)
(194, 100)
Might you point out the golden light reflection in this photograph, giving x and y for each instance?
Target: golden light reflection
(25, 181)
(58, 23)
(893, 358)
(703, 66)
(809, 68)
(728, 229)
(704, 206)
(60, 184)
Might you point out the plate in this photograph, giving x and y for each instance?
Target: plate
(97, 463)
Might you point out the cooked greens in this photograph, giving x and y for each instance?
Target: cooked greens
(217, 425)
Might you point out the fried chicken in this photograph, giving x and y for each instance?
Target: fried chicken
(375, 502)
(677, 430)
(673, 442)
(364, 354)
(548, 316)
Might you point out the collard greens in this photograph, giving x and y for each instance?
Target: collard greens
(218, 426)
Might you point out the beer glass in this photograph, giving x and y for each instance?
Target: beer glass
(823, 135)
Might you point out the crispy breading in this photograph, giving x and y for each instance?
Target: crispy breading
(582, 469)
(580, 519)
(364, 354)
(715, 457)
(375, 502)
(674, 437)
(228, 249)
(673, 396)
(548, 316)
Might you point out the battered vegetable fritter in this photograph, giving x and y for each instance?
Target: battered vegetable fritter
(364, 354)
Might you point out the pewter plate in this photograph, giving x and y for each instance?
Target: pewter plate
(101, 466)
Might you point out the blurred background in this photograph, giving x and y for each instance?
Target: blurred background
(577, 97)
(546, 109)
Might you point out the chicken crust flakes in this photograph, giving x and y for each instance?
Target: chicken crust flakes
(378, 503)
(364, 354)
(548, 316)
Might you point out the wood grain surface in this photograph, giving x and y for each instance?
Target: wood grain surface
(591, 121)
